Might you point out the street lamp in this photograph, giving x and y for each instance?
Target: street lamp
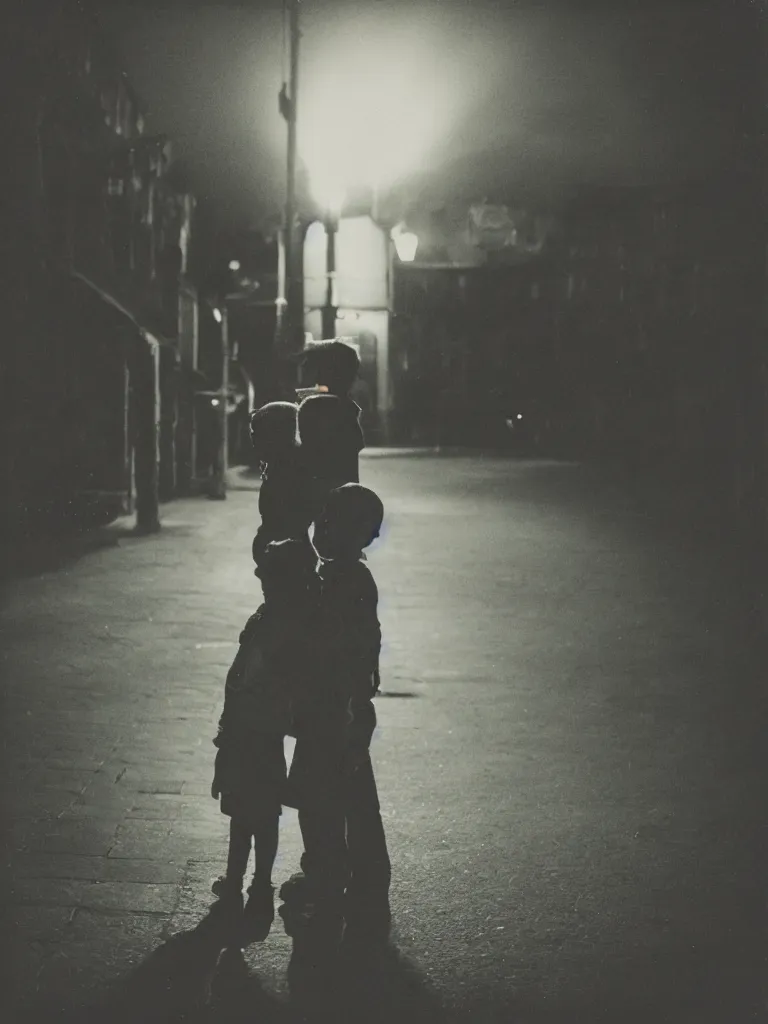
(406, 244)
(368, 121)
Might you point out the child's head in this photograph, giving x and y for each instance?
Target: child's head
(349, 522)
(332, 363)
(322, 420)
(287, 571)
(273, 430)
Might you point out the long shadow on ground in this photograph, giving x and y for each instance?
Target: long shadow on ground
(51, 554)
(196, 978)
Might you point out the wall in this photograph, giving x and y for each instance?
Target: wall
(95, 204)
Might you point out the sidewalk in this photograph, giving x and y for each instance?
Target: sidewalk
(115, 653)
(113, 674)
(569, 759)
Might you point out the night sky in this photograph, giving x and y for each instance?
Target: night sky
(528, 99)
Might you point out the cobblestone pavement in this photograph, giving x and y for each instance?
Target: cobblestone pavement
(568, 756)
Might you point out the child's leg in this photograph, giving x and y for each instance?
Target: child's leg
(318, 764)
(269, 769)
(260, 908)
(265, 841)
(239, 851)
(369, 864)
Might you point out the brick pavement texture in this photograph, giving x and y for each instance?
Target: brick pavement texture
(567, 757)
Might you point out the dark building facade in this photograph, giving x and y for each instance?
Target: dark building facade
(635, 331)
(100, 249)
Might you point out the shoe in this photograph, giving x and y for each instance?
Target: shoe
(367, 912)
(259, 913)
(229, 891)
(319, 926)
(227, 912)
(307, 913)
(296, 890)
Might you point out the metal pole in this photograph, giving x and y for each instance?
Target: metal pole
(287, 314)
(219, 483)
(225, 395)
(329, 309)
(146, 366)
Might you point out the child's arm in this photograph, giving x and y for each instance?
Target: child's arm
(359, 735)
(218, 774)
(232, 714)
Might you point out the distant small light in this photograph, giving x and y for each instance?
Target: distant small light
(519, 415)
(234, 264)
(217, 316)
(215, 401)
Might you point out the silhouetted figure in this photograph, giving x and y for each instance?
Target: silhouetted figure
(329, 424)
(331, 439)
(284, 499)
(250, 774)
(331, 778)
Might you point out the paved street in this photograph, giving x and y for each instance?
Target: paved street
(568, 757)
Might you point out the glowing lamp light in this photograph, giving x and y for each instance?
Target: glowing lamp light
(368, 121)
(406, 244)
(330, 193)
(234, 264)
(217, 316)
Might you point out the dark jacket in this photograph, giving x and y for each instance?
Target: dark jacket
(331, 442)
(268, 669)
(350, 630)
(285, 502)
(271, 670)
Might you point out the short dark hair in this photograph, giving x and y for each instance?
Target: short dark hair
(335, 363)
(274, 428)
(320, 419)
(359, 507)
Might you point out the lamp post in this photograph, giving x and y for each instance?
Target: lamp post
(406, 243)
(286, 312)
(220, 402)
(329, 309)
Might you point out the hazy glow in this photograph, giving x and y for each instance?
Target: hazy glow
(234, 264)
(217, 316)
(329, 193)
(370, 115)
(362, 264)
